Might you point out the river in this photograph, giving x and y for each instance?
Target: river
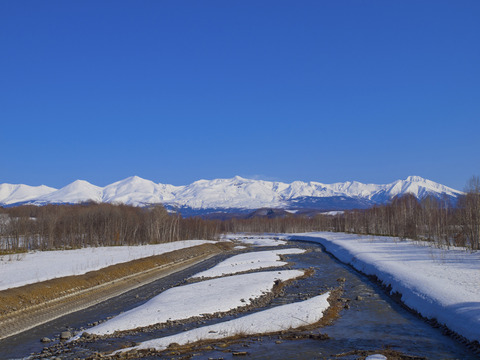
(372, 322)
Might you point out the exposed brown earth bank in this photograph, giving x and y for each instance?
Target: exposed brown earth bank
(28, 306)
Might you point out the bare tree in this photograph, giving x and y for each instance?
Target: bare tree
(469, 214)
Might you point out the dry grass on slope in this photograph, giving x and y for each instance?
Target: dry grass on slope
(24, 297)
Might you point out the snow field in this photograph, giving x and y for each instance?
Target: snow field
(438, 283)
(206, 297)
(34, 267)
(247, 262)
(276, 319)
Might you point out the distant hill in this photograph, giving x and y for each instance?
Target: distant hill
(227, 196)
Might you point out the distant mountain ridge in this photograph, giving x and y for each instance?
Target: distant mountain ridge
(235, 194)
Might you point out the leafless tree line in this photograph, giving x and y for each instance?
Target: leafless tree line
(76, 226)
(286, 224)
(431, 219)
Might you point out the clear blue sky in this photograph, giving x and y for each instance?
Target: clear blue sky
(176, 91)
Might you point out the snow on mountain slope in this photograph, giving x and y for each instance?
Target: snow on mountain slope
(76, 192)
(420, 187)
(415, 185)
(11, 194)
(316, 189)
(300, 188)
(137, 191)
(230, 193)
(234, 193)
(355, 189)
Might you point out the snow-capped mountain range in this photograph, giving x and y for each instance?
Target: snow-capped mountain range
(227, 194)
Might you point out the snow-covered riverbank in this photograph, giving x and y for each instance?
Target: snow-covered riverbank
(443, 284)
(22, 269)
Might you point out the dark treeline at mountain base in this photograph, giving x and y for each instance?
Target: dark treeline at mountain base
(74, 226)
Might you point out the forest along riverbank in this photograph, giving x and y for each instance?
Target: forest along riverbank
(369, 322)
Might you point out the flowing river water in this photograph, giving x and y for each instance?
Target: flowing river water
(373, 321)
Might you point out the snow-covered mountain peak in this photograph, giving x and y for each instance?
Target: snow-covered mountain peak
(239, 179)
(430, 186)
(232, 193)
(216, 183)
(134, 190)
(18, 193)
(415, 178)
(414, 185)
(79, 184)
(75, 192)
(132, 180)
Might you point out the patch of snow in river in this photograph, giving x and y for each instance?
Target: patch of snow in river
(262, 241)
(276, 319)
(206, 297)
(376, 357)
(248, 261)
